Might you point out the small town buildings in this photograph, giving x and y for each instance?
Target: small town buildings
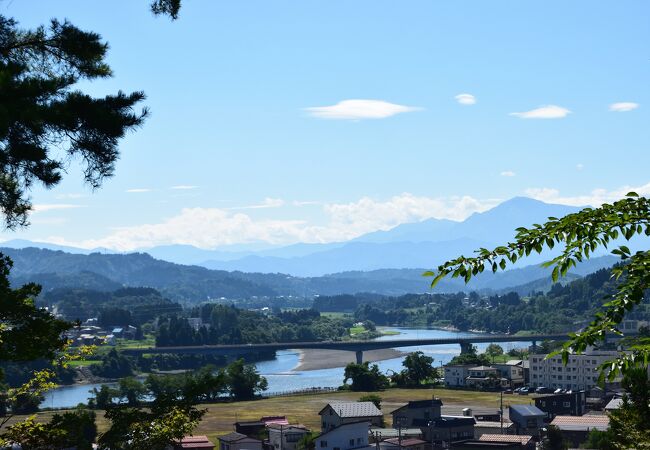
(569, 404)
(405, 443)
(489, 427)
(340, 413)
(614, 404)
(348, 436)
(528, 419)
(511, 370)
(436, 428)
(575, 429)
(455, 375)
(580, 373)
(485, 377)
(380, 434)
(286, 437)
(238, 441)
(526, 441)
(195, 443)
(417, 413)
(487, 445)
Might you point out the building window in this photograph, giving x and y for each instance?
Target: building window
(566, 404)
(351, 442)
(323, 444)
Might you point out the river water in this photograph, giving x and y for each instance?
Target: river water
(281, 376)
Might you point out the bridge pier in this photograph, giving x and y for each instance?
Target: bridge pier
(465, 348)
(359, 354)
(534, 346)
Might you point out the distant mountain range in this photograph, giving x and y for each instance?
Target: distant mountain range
(387, 262)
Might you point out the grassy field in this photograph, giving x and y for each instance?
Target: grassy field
(304, 409)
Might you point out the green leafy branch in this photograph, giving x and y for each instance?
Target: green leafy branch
(580, 234)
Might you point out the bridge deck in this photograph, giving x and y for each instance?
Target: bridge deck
(353, 346)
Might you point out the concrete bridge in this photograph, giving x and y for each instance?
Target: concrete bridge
(351, 346)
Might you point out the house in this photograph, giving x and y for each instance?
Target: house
(238, 441)
(511, 370)
(404, 443)
(614, 404)
(380, 434)
(569, 404)
(455, 375)
(528, 419)
(474, 444)
(337, 414)
(195, 443)
(526, 441)
(488, 427)
(575, 429)
(436, 428)
(251, 428)
(485, 377)
(417, 413)
(347, 436)
(286, 437)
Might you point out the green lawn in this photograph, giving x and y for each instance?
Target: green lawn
(83, 363)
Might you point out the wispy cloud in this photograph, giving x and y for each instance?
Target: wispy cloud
(183, 187)
(267, 203)
(543, 112)
(623, 106)
(300, 203)
(359, 109)
(43, 207)
(580, 166)
(70, 196)
(212, 227)
(507, 173)
(138, 190)
(465, 99)
(595, 198)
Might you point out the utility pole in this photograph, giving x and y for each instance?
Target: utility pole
(281, 436)
(501, 412)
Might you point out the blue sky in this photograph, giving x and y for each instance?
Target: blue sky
(255, 134)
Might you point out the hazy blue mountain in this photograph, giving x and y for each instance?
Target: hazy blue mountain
(23, 243)
(413, 245)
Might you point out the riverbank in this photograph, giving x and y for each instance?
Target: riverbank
(317, 359)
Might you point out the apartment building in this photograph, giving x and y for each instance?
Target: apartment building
(580, 373)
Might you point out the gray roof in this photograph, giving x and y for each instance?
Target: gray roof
(354, 409)
(236, 437)
(614, 403)
(527, 410)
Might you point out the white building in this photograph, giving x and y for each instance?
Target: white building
(581, 371)
(286, 437)
(348, 436)
(455, 375)
(338, 413)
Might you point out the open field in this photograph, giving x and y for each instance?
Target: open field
(304, 408)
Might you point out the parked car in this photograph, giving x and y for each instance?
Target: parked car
(507, 391)
(524, 391)
(559, 391)
(543, 390)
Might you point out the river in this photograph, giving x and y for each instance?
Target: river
(281, 376)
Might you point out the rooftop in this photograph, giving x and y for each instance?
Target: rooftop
(354, 409)
(236, 437)
(523, 439)
(581, 423)
(416, 404)
(406, 442)
(482, 368)
(527, 410)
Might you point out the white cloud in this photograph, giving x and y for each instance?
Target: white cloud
(70, 196)
(359, 109)
(138, 190)
(595, 198)
(183, 187)
(54, 206)
(507, 173)
(300, 203)
(465, 99)
(267, 203)
(212, 227)
(580, 166)
(543, 112)
(623, 106)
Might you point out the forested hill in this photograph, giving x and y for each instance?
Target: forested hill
(56, 269)
(108, 272)
(563, 308)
